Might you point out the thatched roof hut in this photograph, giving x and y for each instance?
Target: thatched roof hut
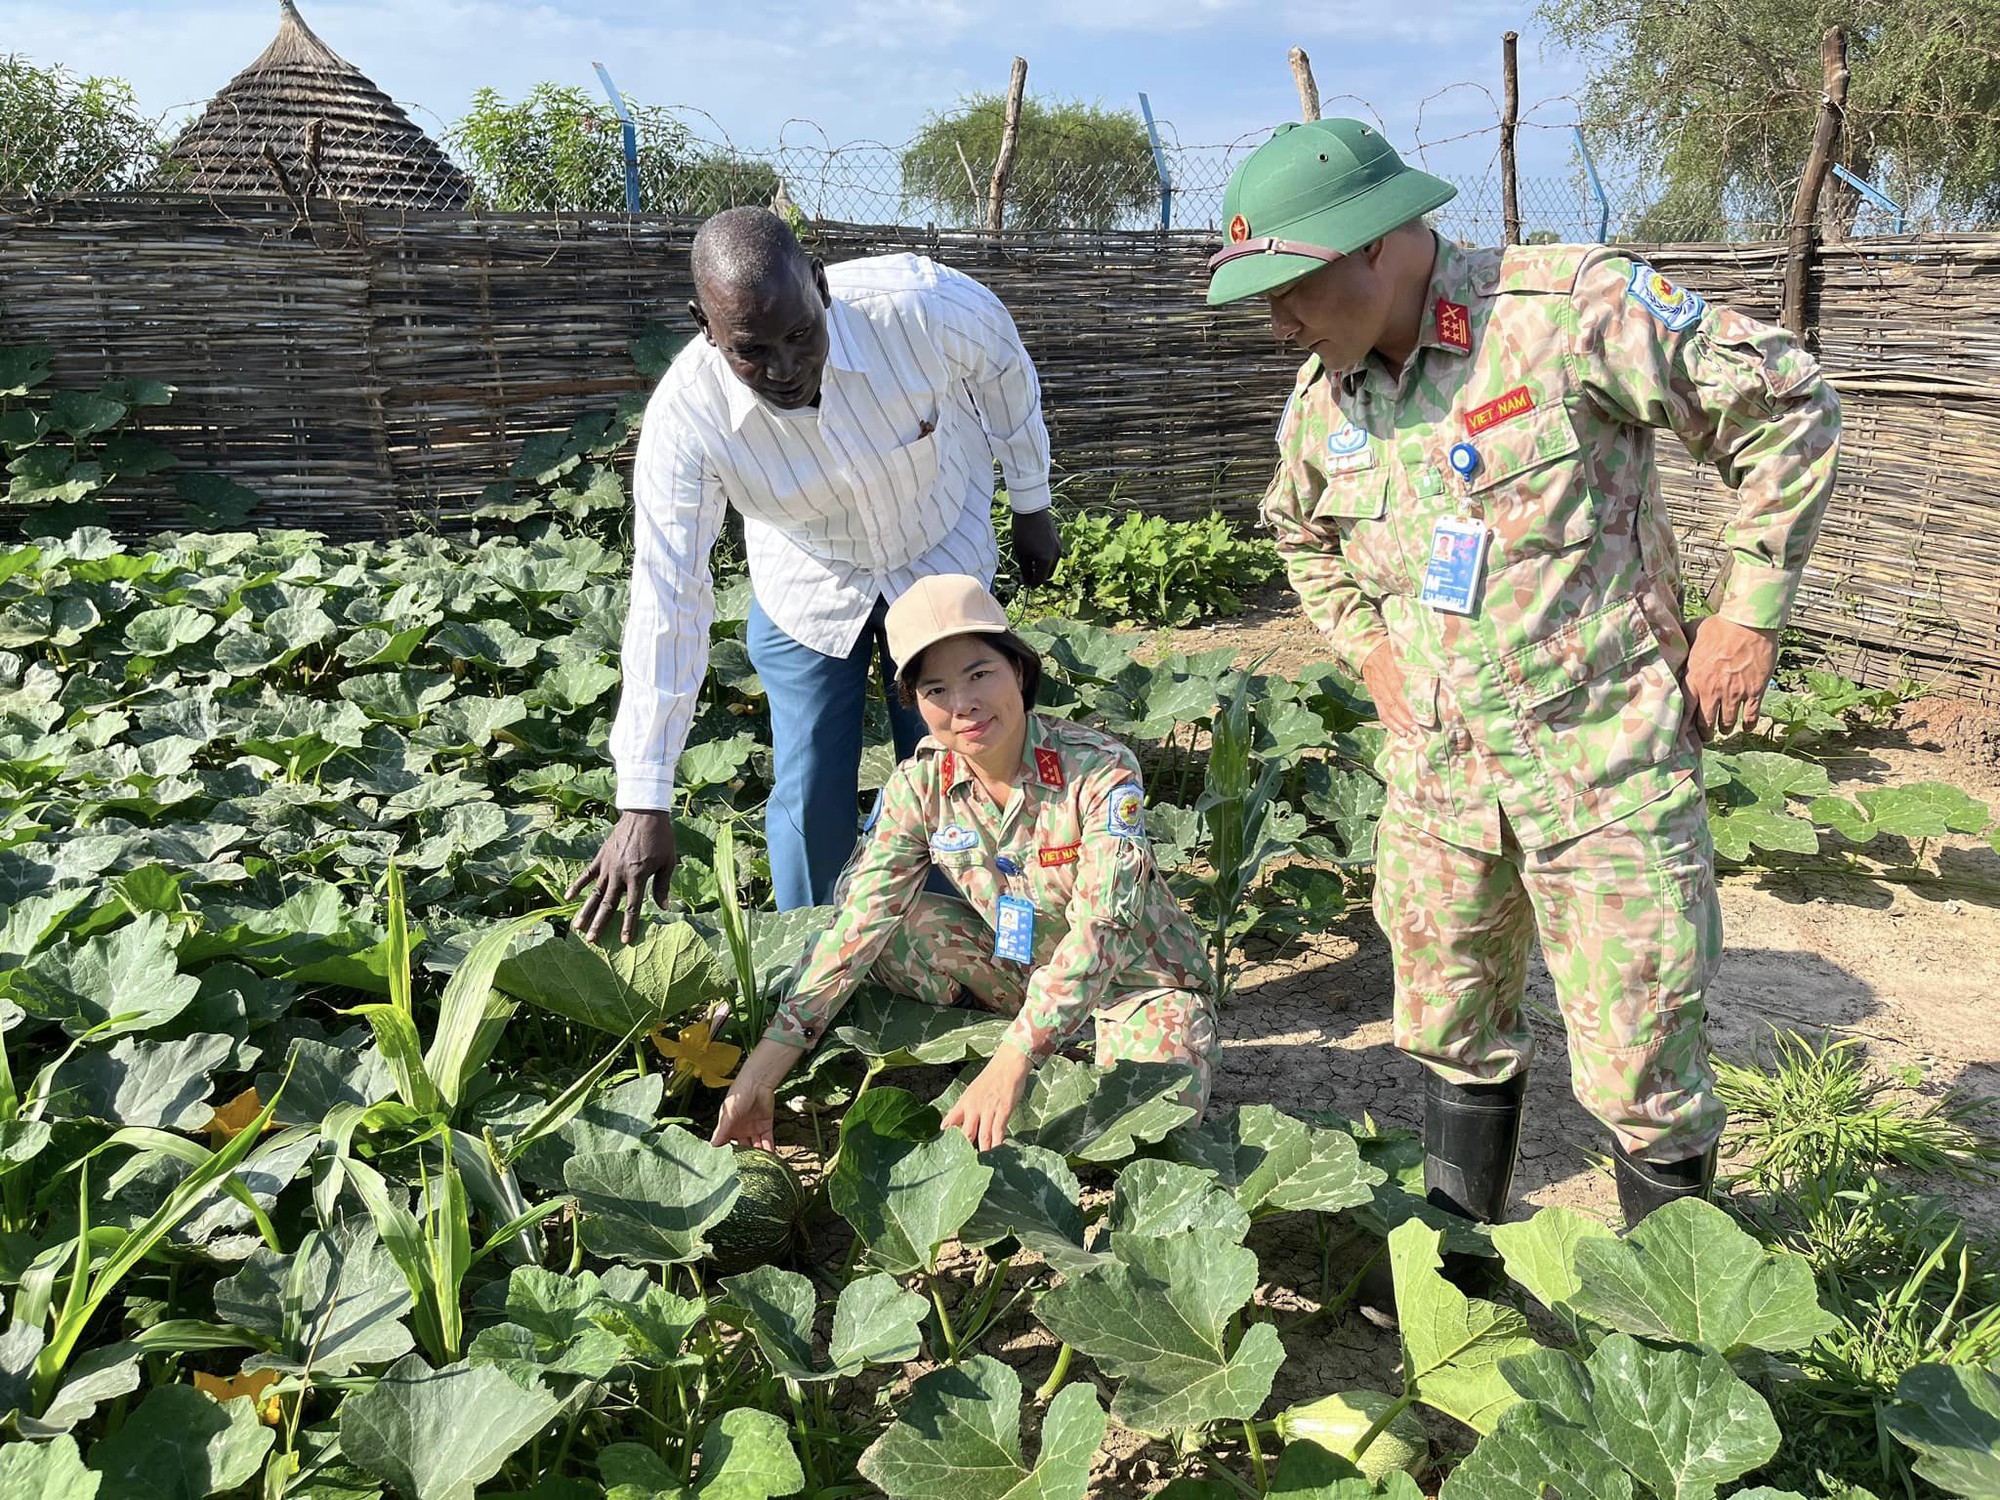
(327, 127)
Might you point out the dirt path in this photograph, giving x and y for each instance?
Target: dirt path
(1914, 973)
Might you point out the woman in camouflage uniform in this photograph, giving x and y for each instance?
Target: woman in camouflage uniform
(1039, 824)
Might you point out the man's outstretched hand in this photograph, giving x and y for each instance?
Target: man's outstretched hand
(1728, 668)
(1037, 547)
(639, 851)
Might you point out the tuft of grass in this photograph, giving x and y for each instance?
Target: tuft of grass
(1819, 1111)
(1816, 1131)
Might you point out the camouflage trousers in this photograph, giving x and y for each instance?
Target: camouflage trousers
(943, 944)
(1631, 931)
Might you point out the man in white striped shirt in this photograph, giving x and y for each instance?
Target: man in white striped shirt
(852, 414)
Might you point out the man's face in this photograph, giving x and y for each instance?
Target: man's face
(1338, 311)
(773, 335)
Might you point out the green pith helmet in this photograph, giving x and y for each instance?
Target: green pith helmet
(1310, 194)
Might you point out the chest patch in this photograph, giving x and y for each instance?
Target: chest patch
(1348, 448)
(1675, 306)
(1503, 408)
(954, 838)
(1061, 854)
(1127, 819)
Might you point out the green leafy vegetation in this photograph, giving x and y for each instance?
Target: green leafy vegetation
(560, 149)
(319, 1131)
(1076, 165)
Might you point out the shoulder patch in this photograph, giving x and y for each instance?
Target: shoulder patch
(1675, 306)
(953, 838)
(1127, 816)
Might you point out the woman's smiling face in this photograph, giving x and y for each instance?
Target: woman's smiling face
(969, 694)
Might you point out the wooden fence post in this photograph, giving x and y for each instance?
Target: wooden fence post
(1510, 121)
(1302, 75)
(1803, 233)
(1003, 165)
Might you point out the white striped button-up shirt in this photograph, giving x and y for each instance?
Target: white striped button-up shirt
(888, 480)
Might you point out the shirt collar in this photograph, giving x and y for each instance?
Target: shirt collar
(844, 352)
(1447, 322)
(1041, 762)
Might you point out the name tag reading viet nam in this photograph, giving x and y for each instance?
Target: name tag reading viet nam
(1457, 566)
(1014, 930)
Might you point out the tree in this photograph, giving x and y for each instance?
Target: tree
(562, 149)
(1712, 102)
(1076, 165)
(60, 134)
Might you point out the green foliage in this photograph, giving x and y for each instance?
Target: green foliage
(1716, 143)
(68, 135)
(1145, 570)
(1076, 165)
(562, 149)
(62, 449)
(1814, 1108)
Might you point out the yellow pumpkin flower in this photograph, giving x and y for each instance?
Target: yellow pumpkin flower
(230, 1120)
(252, 1384)
(695, 1052)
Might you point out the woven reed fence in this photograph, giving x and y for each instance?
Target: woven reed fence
(377, 370)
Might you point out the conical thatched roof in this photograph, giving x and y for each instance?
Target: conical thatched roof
(331, 130)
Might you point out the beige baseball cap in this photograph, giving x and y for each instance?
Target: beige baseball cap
(937, 608)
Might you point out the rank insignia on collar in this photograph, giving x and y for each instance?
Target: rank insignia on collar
(1048, 765)
(948, 768)
(1454, 326)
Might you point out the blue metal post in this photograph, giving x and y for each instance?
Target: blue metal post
(1159, 165)
(1596, 187)
(631, 133)
(1873, 194)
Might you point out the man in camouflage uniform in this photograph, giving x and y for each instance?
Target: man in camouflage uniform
(1110, 943)
(1467, 505)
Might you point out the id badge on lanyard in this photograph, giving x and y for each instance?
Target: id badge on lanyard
(1014, 930)
(1456, 568)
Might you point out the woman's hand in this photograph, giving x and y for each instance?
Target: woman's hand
(984, 1109)
(748, 1111)
(750, 1106)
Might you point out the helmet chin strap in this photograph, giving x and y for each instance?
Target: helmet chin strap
(1269, 246)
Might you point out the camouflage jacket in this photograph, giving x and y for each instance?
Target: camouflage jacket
(1556, 700)
(1072, 840)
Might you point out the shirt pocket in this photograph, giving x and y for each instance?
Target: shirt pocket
(1418, 768)
(899, 477)
(1531, 488)
(1602, 698)
(1356, 506)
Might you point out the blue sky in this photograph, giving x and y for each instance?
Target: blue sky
(867, 69)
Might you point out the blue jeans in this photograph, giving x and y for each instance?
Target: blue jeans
(818, 703)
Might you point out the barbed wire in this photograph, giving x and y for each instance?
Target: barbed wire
(702, 169)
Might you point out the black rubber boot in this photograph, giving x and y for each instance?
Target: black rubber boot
(1646, 1185)
(1472, 1133)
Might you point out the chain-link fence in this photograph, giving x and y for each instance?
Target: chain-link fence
(682, 162)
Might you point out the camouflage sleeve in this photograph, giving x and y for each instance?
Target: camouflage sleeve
(1106, 910)
(876, 890)
(1326, 586)
(1743, 396)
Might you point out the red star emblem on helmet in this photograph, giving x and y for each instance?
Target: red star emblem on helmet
(1239, 230)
